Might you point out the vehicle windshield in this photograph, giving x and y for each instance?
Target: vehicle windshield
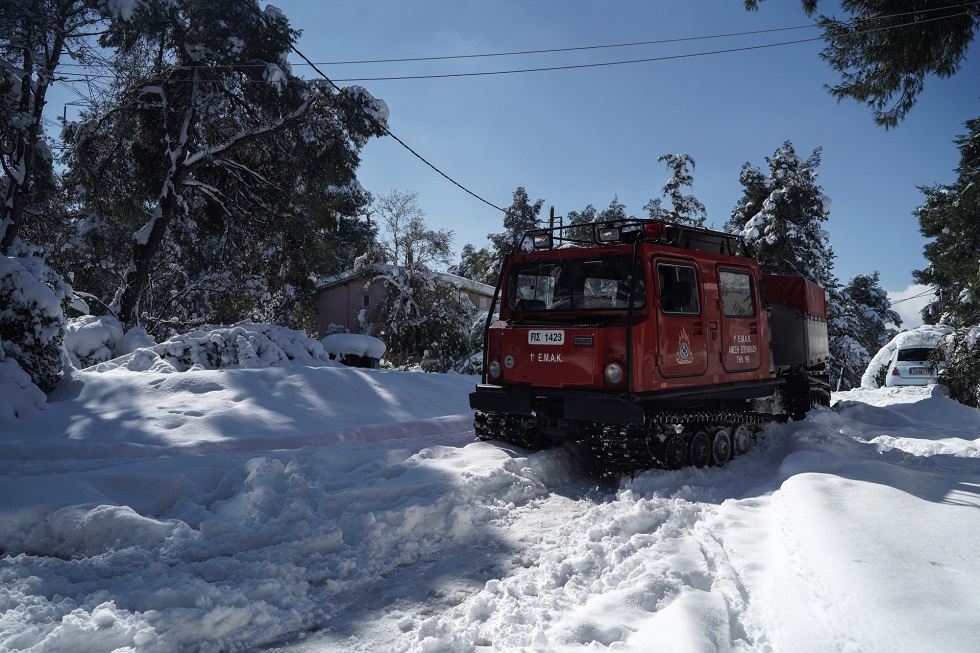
(574, 284)
(915, 354)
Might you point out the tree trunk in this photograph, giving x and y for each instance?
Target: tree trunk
(143, 253)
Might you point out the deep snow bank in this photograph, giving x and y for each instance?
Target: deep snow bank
(333, 509)
(119, 412)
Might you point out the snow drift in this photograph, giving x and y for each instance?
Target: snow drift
(300, 508)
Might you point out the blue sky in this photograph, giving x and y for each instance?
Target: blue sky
(585, 136)
(575, 137)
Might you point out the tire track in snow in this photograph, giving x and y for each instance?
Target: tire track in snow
(641, 565)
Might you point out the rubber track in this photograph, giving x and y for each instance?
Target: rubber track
(617, 447)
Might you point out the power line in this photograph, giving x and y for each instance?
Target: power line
(571, 49)
(400, 141)
(966, 6)
(504, 72)
(966, 12)
(486, 55)
(584, 65)
(630, 44)
(921, 294)
(580, 66)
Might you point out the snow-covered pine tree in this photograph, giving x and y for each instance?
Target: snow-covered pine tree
(519, 218)
(686, 208)
(35, 37)
(354, 239)
(874, 310)
(781, 215)
(859, 327)
(230, 170)
(475, 264)
(32, 323)
(950, 216)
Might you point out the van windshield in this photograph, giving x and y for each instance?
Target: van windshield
(574, 284)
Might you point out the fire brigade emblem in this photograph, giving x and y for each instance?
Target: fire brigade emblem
(684, 354)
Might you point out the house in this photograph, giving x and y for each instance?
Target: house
(344, 298)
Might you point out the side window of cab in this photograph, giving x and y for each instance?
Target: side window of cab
(736, 293)
(678, 289)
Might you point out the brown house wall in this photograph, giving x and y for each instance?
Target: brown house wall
(340, 304)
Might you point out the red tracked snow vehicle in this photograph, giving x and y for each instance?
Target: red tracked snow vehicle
(651, 343)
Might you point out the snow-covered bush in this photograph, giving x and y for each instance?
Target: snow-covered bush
(18, 394)
(473, 364)
(961, 374)
(447, 330)
(91, 339)
(353, 348)
(423, 320)
(243, 345)
(32, 320)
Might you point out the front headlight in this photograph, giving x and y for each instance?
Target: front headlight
(494, 369)
(614, 373)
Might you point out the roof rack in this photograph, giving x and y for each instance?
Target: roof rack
(617, 232)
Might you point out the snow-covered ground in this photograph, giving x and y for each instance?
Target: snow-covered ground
(308, 509)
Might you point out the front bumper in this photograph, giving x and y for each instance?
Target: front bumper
(585, 405)
(609, 407)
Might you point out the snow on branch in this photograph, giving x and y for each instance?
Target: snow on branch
(244, 137)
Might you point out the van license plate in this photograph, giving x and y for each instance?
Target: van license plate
(551, 337)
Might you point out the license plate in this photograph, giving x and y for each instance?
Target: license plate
(545, 337)
(918, 370)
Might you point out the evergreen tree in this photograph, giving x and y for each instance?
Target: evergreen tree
(475, 264)
(961, 374)
(781, 215)
(32, 321)
(615, 212)
(873, 310)
(354, 240)
(686, 208)
(581, 224)
(36, 35)
(886, 48)
(859, 327)
(519, 218)
(229, 172)
(950, 217)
